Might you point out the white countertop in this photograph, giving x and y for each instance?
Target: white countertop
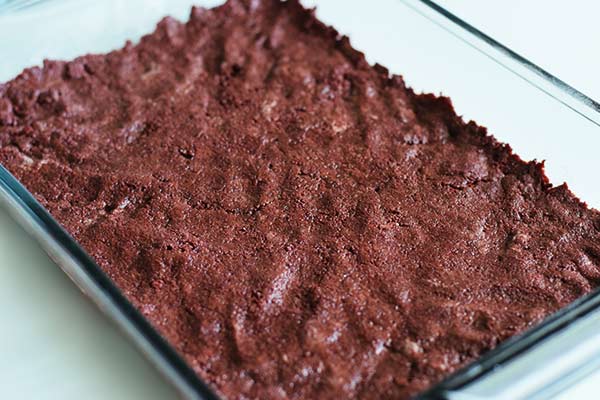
(56, 345)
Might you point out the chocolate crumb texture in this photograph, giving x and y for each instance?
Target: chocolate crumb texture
(295, 222)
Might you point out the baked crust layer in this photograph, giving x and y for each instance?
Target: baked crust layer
(297, 223)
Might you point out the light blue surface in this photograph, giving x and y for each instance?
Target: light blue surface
(560, 36)
(54, 343)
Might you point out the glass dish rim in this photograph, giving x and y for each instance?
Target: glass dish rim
(28, 211)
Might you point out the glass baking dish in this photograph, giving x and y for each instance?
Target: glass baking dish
(539, 115)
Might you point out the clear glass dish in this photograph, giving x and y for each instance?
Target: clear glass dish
(539, 115)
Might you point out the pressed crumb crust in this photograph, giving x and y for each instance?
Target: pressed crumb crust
(297, 223)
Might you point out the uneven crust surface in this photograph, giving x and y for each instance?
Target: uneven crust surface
(297, 223)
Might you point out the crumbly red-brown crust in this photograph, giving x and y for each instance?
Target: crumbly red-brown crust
(297, 223)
